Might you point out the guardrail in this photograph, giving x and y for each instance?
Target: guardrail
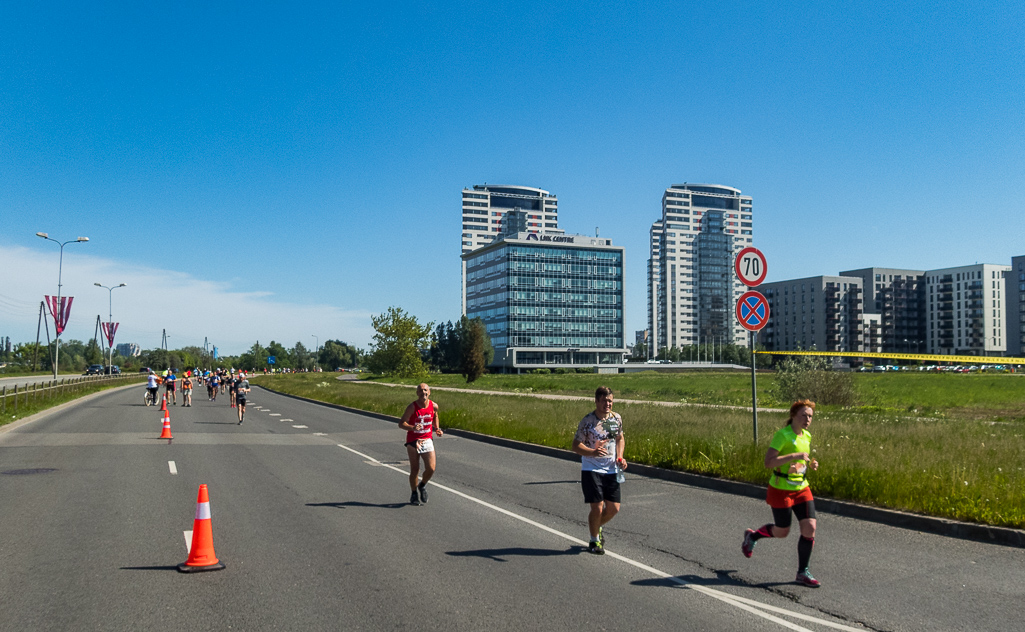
(48, 389)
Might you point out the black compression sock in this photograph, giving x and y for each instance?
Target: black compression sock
(804, 547)
(764, 531)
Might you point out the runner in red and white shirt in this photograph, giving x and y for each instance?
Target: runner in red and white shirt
(420, 421)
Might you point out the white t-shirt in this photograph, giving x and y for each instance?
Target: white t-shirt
(592, 431)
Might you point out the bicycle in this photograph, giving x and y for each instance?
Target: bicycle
(150, 398)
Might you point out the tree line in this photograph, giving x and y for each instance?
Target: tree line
(406, 348)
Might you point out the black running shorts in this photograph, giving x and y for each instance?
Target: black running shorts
(599, 487)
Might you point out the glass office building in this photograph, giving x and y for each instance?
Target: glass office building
(548, 300)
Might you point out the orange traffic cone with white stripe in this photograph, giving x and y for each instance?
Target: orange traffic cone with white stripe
(166, 434)
(201, 552)
(163, 402)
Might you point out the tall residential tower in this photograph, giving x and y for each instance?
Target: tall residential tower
(692, 288)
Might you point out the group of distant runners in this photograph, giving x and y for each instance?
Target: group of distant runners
(216, 381)
(600, 441)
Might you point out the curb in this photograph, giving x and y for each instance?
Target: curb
(1004, 536)
(56, 409)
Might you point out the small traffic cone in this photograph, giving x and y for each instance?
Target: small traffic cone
(201, 553)
(166, 434)
(163, 403)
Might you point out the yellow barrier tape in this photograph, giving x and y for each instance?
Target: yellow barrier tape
(925, 357)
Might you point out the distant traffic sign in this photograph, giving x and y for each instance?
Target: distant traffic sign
(271, 359)
(750, 266)
(752, 311)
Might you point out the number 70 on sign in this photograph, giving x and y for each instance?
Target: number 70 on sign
(750, 266)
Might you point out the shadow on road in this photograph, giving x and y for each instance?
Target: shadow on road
(217, 423)
(722, 578)
(149, 568)
(498, 554)
(354, 503)
(552, 482)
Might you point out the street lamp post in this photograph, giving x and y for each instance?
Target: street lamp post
(110, 319)
(316, 349)
(60, 270)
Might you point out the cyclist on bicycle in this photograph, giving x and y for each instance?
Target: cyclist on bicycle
(152, 384)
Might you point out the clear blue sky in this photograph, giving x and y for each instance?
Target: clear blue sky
(297, 166)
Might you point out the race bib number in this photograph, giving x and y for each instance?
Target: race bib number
(423, 446)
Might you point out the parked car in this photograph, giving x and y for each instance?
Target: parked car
(145, 369)
(94, 369)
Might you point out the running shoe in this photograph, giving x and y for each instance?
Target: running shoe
(414, 499)
(596, 548)
(748, 548)
(805, 579)
(423, 493)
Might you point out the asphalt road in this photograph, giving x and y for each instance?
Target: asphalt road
(310, 517)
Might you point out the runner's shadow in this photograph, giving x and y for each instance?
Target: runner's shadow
(498, 554)
(217, 423)
(722, 578)
(551, 482)
(355, 503)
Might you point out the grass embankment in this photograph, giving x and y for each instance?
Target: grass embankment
(996, 397)
(953, 466)
(32, 401)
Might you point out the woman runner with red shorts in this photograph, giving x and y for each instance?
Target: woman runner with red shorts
(789, 458)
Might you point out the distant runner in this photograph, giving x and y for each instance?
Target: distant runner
(187, 391)
(240, 397)
(169, 386)
(789, 458)
(420, 421)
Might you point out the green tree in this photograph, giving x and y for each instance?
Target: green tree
(300, 357)
(397, 344)
(475, 347)
(281, 358)
(254, 359)
(336, 354)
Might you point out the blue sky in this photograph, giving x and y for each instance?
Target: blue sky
(262, 170)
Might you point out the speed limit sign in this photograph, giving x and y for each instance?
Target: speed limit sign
(750, 266)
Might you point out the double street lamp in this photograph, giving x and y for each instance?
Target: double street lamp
(60, 269)
(110, 319)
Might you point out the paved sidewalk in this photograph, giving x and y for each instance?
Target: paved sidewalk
(576, 398)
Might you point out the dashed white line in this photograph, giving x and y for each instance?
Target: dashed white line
(275, 414)
(171, 466)
(748, 605)
(319, 434)
(286, 420)
(300, 426)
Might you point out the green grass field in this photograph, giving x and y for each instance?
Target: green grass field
(956, 463)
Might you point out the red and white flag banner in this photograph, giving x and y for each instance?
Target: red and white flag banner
(60, 309)
(109, 329)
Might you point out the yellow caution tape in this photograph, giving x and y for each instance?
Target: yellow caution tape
(925, 357)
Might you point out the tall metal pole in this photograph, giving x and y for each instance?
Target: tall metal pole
(754, 388)
(60, 271)
(110, 317)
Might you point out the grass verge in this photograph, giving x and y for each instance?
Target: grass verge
(952, 467)
(31, 401)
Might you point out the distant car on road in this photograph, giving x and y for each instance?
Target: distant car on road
(145, 369)
(113, 370)
(94, 369)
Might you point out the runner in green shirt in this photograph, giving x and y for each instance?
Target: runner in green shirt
(789, 458)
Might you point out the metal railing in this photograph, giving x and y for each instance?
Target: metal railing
(28, 394)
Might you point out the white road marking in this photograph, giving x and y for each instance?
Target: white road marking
(319, 434)
(748, 605)
(300, 426)
(188, 542)
(171, 466)
(286, 420)
(275, 414)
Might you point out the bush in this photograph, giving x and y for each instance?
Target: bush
(587, 369)
(542, 371)
(809, 377)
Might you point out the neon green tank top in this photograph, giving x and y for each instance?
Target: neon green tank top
(786, 441)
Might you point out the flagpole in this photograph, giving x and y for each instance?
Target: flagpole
(59, 308)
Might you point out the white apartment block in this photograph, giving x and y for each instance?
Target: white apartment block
(822, 313)
(484, 210)
(966, 310)
(692, 288)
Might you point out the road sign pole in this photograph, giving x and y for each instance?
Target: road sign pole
(754, 389)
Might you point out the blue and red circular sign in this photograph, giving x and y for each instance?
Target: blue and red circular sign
(752, 310)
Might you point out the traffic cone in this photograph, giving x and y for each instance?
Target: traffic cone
(166, 434)
(201, 553)
(163, 403)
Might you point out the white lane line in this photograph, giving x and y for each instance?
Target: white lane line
(748, 605)
(286, 420)
(275, 414)
(188, 542)
(319, 434)
(171, 466)
(300, 426)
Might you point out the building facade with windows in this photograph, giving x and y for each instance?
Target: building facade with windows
(821, 313)
(485, 208)
(1015, 293)
(896, 295)
(548, 300)
(966, 310)
(692, 288)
